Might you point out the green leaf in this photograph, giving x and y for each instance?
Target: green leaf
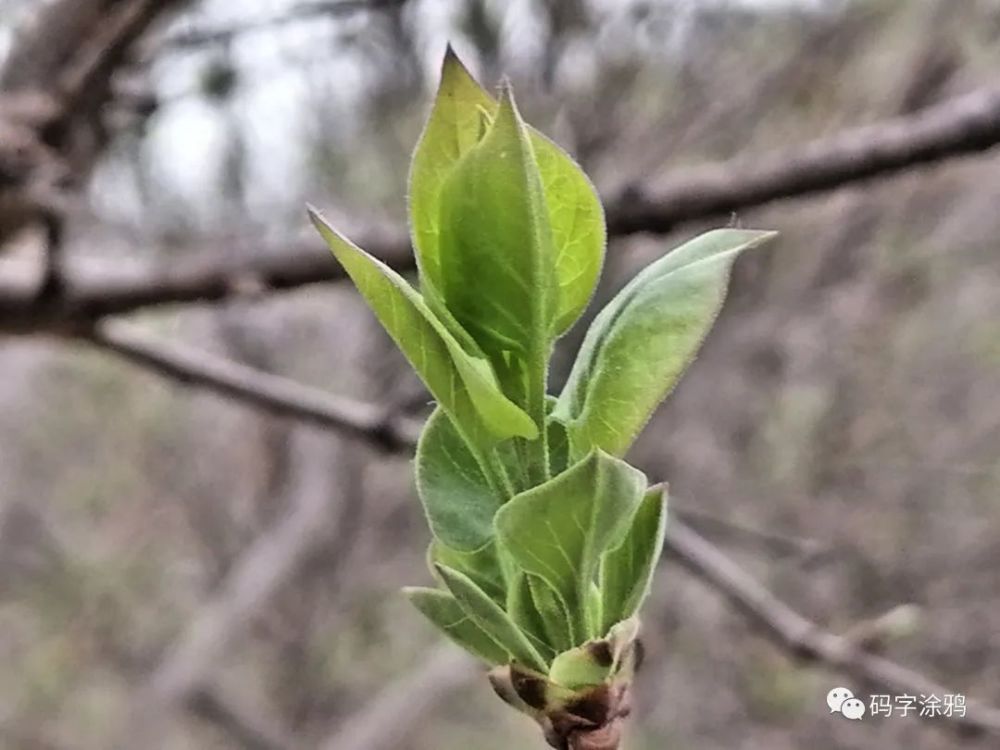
(456, 494)
(483, 566)
(574, 210)
(522, 610)
(495, 248)
(627, 570)
(640, 344)
(578, 230)
(444, 612)
(557, 441)
(584, 666)
(463, 385)
(488, 615)
(559, 530)
(554, 613)
(453, 128)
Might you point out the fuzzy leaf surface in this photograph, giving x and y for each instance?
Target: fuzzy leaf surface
(575, 214)
(627, 570)
(554, 613)
(559, 530)
(483, 566)
(464, 385)
(457, 496)
(643, 340)
(495, 247)
(444, 612)
(587, 665)
(453, 128)
(491, 618)
(521, 608)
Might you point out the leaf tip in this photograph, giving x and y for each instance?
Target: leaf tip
(758, 237)
(453, 580)
(337, 242)
(754, 238)
(317, 219)
(508, 105)
(452, 68)
(528, 429)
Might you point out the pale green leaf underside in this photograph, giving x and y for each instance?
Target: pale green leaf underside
(642, 341)
(491, 618)
(574, 209)
(463, 385)
(444, 612)
(457, 497)
(627, 570)
(559, 530)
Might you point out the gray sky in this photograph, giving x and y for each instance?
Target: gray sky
(186, 141)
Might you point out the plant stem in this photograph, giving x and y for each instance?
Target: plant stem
(607, 737)
(538, 380)
(524, 381)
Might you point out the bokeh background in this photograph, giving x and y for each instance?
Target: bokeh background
(839, 435)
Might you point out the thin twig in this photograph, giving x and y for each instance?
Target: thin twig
(790, 629)
(54, 84)
(198, 38)
(261, 571)
(106, 48)
(261, 390)
(808, 640)
(774, 542)
(960, 126)
(389, 718)
(245, 724)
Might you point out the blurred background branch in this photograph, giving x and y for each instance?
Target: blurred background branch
(806, 640)
(963, 125)
(391, 715)
(271, 393)
(264, 568)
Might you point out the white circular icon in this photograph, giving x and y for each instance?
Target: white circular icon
(852, 709)
(842, 701)
(836, 697)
